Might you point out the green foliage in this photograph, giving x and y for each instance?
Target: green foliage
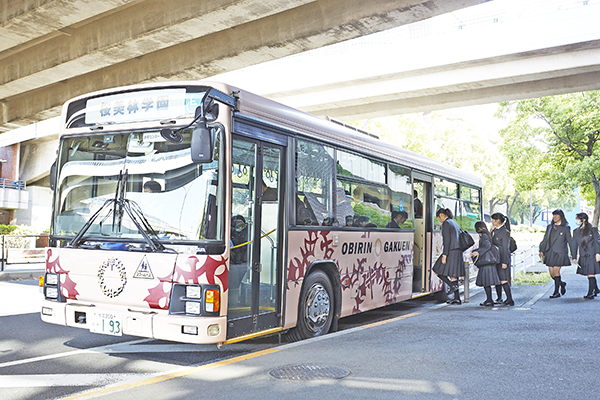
(531, 278)
(553, 144)
(7, 229)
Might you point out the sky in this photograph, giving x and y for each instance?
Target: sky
(490, 29)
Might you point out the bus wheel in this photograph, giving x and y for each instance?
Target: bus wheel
(316, 307)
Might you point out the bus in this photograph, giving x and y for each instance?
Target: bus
(198, 212)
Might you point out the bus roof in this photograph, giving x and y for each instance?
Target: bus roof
(259, 107)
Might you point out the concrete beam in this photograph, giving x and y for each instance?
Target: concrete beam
(111, 50)
(562, 69)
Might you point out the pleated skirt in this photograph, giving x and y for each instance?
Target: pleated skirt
(454, 264)
(553, 259)
(588, 265)
(503, 274)
(487, 276)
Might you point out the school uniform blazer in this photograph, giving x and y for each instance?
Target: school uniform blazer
(501, 238)
(484, 244)
(560, 240)
(450, 231)
(593, 244)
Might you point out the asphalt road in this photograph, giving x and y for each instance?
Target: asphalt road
(540, 349)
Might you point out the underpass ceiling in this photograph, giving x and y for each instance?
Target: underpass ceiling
(53, 50)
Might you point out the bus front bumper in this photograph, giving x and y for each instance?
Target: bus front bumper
(155, 324)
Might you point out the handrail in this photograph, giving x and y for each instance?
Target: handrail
(12, 184)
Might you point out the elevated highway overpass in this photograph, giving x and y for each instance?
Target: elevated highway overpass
(53, 50)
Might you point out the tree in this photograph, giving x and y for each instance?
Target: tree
(451, 141)
(553, 143)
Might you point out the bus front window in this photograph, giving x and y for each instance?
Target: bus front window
(133, 182)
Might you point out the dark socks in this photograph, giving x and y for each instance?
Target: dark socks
(591, 285)
(445, 279)
(499, 291)
(488, 294)
(557, 284)
(506, 287)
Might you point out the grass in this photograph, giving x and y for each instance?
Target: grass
(531, 278)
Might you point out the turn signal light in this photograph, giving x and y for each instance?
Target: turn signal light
(211, 300)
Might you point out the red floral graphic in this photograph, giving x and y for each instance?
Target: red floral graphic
(297, 267)
(215, 269)
(67, 286)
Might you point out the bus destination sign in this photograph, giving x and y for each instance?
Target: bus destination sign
(146, 105)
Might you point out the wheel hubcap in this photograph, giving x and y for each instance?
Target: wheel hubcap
(317, 308)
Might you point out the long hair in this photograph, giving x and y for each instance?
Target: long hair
(445, 211)
(503, 219)
(585, 230)
(563, 220)
(481, 228)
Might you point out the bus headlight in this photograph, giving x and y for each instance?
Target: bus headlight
(192, 307)
(52, 292)
(193, 292)
(52, 279)
(195, 300)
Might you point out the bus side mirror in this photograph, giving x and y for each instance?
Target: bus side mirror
(201, 144)
(53, 175)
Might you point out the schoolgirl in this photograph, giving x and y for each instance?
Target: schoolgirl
(586, 242)
(554, 252)
(501, 238)
(449, 266)
(488, 274)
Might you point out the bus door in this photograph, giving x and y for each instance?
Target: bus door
(254, 280)
(423, 233)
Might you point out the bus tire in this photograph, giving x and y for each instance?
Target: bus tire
(316, 309)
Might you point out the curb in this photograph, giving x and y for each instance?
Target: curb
(21, 274)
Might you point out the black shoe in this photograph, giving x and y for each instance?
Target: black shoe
(508, 303)
(498, 301)
(455, 301)
(588, 296)
(563, 287)
(487, 303)
(596, 292)
(555, 295)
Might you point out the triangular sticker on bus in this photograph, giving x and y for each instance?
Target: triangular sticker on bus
(143, 270)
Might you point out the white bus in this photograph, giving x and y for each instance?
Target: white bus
(198, 212)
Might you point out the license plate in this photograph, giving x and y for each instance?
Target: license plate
(107, 323)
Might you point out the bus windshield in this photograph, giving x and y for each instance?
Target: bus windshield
(124, 187)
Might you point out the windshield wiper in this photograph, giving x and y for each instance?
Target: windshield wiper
(120, 204)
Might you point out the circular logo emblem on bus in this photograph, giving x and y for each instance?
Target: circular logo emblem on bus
(378, 247)
(112, 277)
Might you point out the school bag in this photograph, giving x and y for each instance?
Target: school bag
(465, 240)
(513, 245)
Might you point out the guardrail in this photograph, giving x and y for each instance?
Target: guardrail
(35, 252)
(12, 184)
(523, 259)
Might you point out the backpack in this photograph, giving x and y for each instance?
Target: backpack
(513, 245)
(465, 240)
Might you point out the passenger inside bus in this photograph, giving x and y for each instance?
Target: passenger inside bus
(239, 251)
(152, 187)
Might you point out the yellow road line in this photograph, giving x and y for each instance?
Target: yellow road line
(390, 320)
(172, 375)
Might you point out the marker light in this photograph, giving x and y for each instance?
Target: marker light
(211, 300)
(189, 330)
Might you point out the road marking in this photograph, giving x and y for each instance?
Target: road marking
(168, 376)
(390, 320)
(53, 380)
